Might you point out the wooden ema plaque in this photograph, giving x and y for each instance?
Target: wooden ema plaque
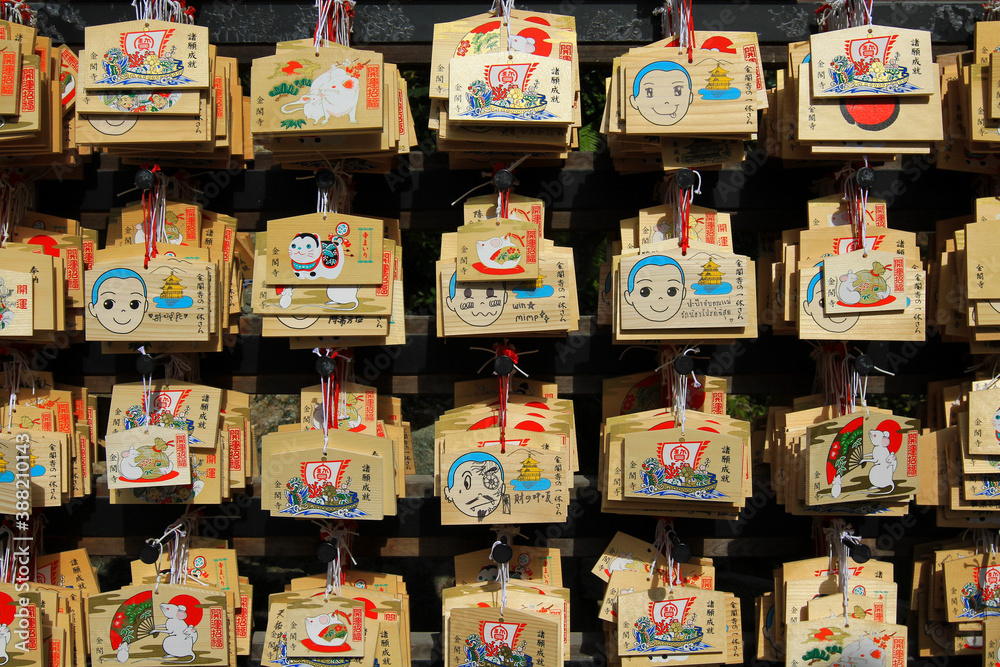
(697, 465)
(665, 94)
(528, 482)
(332, 628)
(153, 456)
(330, 249)
(862, 458)
(136, 625)
(305, 91)
(872, 60)
(145, 55)
(867, 118)
(498, 249)
(478, 635)
(670, 290)
(864, 281)
(832, 641)
(168, 300)
(511, 88)
(682, 621)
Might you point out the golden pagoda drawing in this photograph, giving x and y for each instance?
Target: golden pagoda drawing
(718, 79)
(172, 294)
(172, 287)
(530, 472)
(710, 275)
(710, 280)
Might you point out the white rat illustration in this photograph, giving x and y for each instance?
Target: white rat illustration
(622, 563)
(863, 652)
(883, 461)
(342, 295)
(127, 466)
(886, 441)
(498, 252)
(180, 639)
(4, 640)
(846, 292)
(284, 296)
(328, 629)
(332, 93)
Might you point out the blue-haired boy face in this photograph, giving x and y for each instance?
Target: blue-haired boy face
(475, 484)
(655, 288)
(662, 93)
(118, 300)
(476, 304)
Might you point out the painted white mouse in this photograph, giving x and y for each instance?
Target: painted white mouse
(180, 639)
(127, 467)
(846, 292)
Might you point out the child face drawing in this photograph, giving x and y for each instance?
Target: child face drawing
(476, 306)
(475, 486)
(813, 305)
(662, 97)
(657, 291)
(119, 301)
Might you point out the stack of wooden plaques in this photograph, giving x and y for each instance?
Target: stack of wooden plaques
(364, 619)
(499, 276)
(834, 283)
(669, 110)
(521, 473)
(204, 612)
(661, 290)
(185, 298)
(960, 453)
(541, 565)
(971, 105)
(651, 611)
(802, 621)
(42, 292)
(54, 425)
(37, 89)
(827, 463)
(503, 86)
(652, 463)
(864, 91)
(314, 104)
(330, 280)
(652, 390)
(55, 608)
(195, 445)
(534, 625)
(157, 87)
(967, 303)
(353, 467)
(955, 597)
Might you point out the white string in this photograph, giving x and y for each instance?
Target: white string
(324, 385)
(660, 541)
(503, 8)
(338, 537)
(161, 10)
(8, 558)
(992, 10)
(147, 390)
(503, 575)
(838, 535)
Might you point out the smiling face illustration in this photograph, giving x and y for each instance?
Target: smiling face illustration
(476, 304)
(655, 288)
(814, 306)
(475, 484)
(118, 300)
(662, 93)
